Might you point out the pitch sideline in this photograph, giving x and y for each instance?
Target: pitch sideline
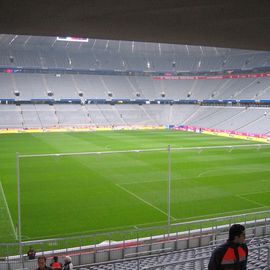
(7, 208)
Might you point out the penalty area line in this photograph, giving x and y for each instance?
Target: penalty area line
(249, 200)
(144, 201)
(7, 208)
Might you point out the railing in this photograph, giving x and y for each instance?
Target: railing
(143, 235)
(137, 236)
(137, 242)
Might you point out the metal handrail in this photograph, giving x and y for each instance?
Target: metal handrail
(213, 230)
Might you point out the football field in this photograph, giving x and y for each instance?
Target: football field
(67, 195)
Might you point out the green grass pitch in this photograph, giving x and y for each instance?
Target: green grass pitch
(73, 195)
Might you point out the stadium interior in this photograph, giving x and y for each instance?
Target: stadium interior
(62, 84)
(50, 83)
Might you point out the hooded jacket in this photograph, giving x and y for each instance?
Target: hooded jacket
(229, 256)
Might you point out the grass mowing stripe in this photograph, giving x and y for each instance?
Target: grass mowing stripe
(253, 193)
(223, 214)
(109, 229)
(7, 208)
(146, 202)
(162, 223)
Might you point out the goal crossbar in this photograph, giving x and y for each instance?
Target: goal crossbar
(143, 150)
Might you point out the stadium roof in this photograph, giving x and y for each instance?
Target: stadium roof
(222, 23)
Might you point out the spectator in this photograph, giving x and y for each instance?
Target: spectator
(42, 263)
(55, 264)
(233, 254)
(68, 264)
(31, 253)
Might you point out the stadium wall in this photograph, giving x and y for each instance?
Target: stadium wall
(79, 129)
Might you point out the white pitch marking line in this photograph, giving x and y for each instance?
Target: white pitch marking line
(249, 200)
(9, 215)
(202, 173)
(141, 199)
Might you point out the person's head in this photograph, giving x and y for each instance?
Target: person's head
(237, 234)
(67, 259)
(55, 259)
(41, 262)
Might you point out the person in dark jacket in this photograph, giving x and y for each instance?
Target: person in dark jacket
(31, 254)
(42, 263)
(233, 254)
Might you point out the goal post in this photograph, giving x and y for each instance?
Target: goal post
(160, 181)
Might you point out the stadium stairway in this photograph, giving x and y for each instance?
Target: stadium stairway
(252, 122)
